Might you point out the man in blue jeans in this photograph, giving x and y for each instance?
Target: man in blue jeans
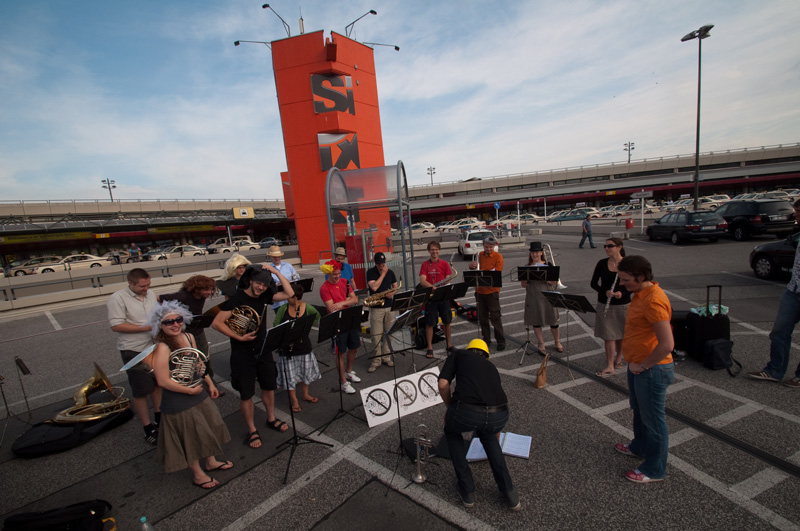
(780, 339)
(478, 404)
(586, 230)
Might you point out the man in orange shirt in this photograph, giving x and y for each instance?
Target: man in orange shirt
(489, 298)
(647, 347)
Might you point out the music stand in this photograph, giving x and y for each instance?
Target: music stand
(540, 273)
(571, 303)
(409, 299)
(483, 279)
(288, 333)
(330, 326)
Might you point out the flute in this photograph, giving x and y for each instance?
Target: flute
(608, 299)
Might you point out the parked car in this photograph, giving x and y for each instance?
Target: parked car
(422, 227)
(680, 205)
(681, 226)
(607, 211)
(74, 261)
(175, 251)
(124, 257)
(751, 195)
(471, 243)
(575, 213)
(777, 194)
(758, 216)
(19, 268)
(466, 224)
(269, 241)
(441, 227)
(773, 259)
(221, 245)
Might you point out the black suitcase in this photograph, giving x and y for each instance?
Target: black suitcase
(700, 329)
(678, 324)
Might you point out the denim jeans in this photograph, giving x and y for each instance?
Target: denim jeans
(486, 427)
(780, 339)
(583, 239)
(648, 398)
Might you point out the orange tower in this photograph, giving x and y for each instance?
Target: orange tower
(328, 100)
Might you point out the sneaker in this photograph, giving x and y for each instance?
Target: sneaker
(761, 375)
(151, 436)
(624, 449)
(794, 383)
(372, 368)
(638, 477)
(348, 389)
(352, 376)
(467, 499)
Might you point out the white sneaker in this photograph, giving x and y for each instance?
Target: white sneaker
(352, 376)
(348, 389)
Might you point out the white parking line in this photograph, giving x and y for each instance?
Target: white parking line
(52, 320)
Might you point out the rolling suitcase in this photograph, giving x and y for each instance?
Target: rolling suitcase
(678, 324)
(700, 329)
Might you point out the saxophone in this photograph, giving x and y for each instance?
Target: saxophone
(377, 300)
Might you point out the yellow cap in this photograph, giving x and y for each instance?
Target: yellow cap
(479, 344)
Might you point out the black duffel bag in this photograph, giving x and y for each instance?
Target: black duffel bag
(719, 355)
(82, 516)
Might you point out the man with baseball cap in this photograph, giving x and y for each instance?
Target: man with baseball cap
(284, 268)
(478, 404)
(379, 279)
(488, 299)
(347, 269)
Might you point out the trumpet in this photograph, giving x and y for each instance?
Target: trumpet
(377, 300)
(608, 299)
(423, 444)
(552, 260)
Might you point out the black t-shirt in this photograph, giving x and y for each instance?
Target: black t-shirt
(388, 280)
(477, 379)
(259, 305)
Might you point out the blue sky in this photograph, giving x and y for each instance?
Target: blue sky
(154, 95)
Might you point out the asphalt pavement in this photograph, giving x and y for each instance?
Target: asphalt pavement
(734, 442)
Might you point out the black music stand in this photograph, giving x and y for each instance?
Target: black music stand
(483, 279)
(571, 303)
(284, 335)
(330, 326)
(537, 273)
(413, 300)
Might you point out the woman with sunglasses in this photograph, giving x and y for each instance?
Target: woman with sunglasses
(191, 427)
(538, 310)
(610, 316)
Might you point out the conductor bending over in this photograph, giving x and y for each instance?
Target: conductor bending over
(478, 404)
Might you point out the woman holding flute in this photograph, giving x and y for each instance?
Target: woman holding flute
(612, 305)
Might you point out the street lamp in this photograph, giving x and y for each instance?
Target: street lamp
(109, 184)
(629, 146)
(396, 48)
(285, 25)
(237, 43)
(431, 171)
(699, 34)
(349, 28)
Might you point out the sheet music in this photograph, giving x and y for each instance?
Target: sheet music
(511, 444)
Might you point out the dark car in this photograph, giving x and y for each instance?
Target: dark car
(758, 216)
(680, 226)
(770, 260)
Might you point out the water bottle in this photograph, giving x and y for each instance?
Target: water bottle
(145, 525)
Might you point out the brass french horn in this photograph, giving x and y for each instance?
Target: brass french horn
(85, 411)
(243, 320)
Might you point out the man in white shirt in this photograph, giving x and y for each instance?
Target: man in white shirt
(284, 268)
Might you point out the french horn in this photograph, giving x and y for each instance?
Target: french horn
(243, 320)
(187, 366)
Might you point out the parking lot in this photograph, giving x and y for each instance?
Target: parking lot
(734, 443)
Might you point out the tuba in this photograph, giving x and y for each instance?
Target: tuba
(187, 366)
(83, 410)
(377, 300)
(243, 320)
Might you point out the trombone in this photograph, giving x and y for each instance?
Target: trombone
(552, 260)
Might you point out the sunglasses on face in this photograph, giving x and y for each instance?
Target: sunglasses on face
(609, 246)
(170, 322)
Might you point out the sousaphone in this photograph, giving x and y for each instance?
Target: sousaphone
(84, 410)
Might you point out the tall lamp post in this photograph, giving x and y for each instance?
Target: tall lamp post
(431, 172)
(109, 184)
(629, 146)
(698, 34)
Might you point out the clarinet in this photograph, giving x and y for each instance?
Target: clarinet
(608, 299)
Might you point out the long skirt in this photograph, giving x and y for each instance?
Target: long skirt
(297, 369)
(611, 327)
(190, 435)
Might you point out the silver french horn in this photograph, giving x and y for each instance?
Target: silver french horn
(187, 366)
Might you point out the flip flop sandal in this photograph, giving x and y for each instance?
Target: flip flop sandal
(251, 438)
(560, 348)
(203, 485)
(296, 409)
(277, 425)
(429, 354)
(312, 399)
(225, 465)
